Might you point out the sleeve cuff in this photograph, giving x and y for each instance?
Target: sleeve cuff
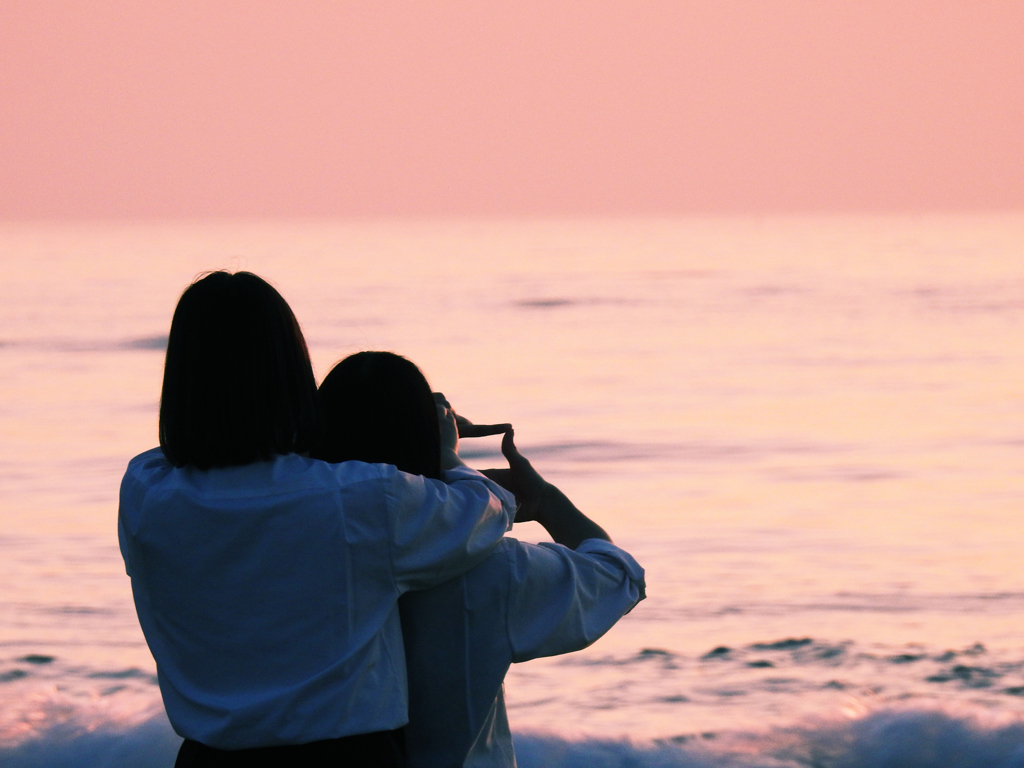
(605, 548)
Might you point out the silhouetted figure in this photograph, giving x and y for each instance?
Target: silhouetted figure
(524, 601)
(266, 582)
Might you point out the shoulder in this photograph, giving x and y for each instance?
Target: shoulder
(351, 472)
(143, 472)
(461, 485)
(289, 473)
(148, 463)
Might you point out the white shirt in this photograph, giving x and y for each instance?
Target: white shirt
(524, 601)
(268, 592)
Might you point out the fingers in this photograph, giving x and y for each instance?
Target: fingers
(508, 447)
(466, 427)
(469, 429)
(516, 461)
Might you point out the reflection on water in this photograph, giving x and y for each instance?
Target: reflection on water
(809, 431)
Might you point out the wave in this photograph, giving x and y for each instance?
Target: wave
(80, 744)
(690, 452)
(555, 302)
(889, 739)
(885, 739)
(143, 343)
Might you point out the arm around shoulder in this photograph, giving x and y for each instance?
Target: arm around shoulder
(442, 529)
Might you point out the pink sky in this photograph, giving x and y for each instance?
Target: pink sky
(137, 108)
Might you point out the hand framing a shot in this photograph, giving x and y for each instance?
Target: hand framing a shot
(538, 499)
(453, 427)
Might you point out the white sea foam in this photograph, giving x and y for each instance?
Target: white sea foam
(78, 744)
(683, 707)
(886, 739)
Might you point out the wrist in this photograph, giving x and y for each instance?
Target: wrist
(544, 510)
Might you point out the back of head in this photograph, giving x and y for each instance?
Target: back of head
(238, 385)
(378, 408)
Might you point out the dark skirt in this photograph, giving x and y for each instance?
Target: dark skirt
(383, 749)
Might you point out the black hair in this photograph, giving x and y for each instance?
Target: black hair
(238, 384)
(378, 408)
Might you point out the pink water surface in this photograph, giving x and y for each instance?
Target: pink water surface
(805, 428)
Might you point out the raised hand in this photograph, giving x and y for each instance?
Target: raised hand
(541, 501)
(467, 428)
(521, 479)
(454, 426)
(446, 420)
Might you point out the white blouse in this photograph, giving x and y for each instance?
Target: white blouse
(268, 592)
(524, 601)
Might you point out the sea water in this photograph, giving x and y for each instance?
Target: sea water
(810, 431)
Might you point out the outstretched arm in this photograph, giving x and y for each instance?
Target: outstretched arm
(541, 501)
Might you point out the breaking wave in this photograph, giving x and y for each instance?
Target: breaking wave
(885, 739)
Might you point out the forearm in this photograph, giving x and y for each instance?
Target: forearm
(563, 521)
(442, 528)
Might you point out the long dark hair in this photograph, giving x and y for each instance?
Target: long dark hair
(378, 408)
(238, 385)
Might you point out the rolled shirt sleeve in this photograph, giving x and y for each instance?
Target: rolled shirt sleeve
(562, 600)
(439, 530)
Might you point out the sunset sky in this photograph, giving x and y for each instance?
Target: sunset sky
(141, 109)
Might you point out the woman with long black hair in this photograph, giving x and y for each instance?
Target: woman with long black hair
(266, 582)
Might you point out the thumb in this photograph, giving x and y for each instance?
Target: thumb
(508, 447)
(516, 461)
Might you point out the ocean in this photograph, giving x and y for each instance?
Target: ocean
(810, 431)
